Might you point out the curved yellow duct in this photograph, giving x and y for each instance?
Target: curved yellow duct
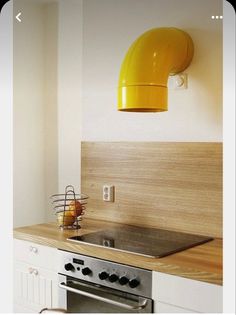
(154, 56)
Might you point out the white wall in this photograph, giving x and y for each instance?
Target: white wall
(47, 92)
(51, 106)
(69, 92)
(52, 115)
(35, 115)
(6, 221)
(110, 26)
(29, 190)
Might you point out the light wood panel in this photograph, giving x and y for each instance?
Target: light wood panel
(203, 262)
(168, 185)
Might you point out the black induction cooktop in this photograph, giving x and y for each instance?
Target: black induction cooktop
(142, 241)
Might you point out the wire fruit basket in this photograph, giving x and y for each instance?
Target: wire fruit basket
(69, 208)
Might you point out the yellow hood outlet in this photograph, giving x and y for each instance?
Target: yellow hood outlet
(150, 60)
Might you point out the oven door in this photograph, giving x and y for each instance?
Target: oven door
(84, 297)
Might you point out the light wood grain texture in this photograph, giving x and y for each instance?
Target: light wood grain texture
(203, 262)
(175, 186)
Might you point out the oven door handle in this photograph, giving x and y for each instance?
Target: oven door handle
(103, 299)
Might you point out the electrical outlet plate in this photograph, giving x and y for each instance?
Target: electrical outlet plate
(108, 193)
(178, 82)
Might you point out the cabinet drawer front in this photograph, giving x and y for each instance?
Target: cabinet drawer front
(21, 309)
(34, 288)
(160, 307)
(35, 254)
(186, 293)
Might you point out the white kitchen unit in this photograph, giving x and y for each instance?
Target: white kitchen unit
(172, 294)
(35, 277)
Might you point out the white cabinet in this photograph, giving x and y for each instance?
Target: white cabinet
(160, 307)
(35, 277)
(172, 294)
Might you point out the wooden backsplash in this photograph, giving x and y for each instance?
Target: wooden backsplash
(169, 185)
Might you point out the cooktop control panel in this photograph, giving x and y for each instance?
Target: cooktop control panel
(118, 276)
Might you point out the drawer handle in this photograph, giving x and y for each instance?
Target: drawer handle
(33, 249)
(34, 271)
(31, 270)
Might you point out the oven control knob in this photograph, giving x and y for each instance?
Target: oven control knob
(86, 271)
(133, 283)
(69, 267)
(103, 275)
(123, 280)
(113, 277)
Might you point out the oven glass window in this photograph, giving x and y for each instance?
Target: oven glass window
(79, 303)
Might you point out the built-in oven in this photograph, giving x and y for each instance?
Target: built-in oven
(91, 285)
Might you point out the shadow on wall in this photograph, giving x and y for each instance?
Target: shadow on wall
(208, 60)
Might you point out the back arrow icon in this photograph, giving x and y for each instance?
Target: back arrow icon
(18, 16)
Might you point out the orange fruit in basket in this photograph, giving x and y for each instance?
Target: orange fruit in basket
(65, 219)
(75, 208)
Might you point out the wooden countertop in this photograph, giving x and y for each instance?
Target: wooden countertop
(202, 262)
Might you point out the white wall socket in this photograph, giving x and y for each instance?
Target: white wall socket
(178, 81)
(108, 193)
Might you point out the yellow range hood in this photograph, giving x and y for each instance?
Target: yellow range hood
(150, 60)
